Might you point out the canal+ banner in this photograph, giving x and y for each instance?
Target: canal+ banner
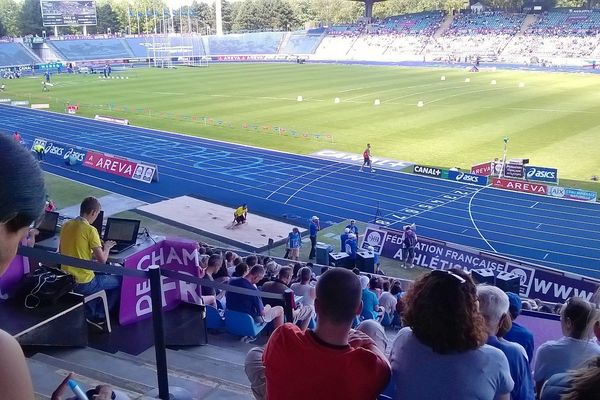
(538, 282)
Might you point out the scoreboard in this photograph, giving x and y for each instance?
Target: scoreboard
(68, 12)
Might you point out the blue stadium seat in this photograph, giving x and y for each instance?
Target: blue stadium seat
(214, 320)
(241, 324)
(15, 54)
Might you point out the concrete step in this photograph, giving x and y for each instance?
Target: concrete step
(129, 373)
(234, 356)
(89, 376)
(216, 370)
(47, 375)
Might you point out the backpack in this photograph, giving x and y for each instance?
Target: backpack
(44, 286)
(410, 239)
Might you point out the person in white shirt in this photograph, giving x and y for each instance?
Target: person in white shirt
(577, 318)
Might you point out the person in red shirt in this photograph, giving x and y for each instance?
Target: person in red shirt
(367, 158)
(17, 137)
(331, 362)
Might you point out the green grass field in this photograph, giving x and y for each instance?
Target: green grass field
(553, 120)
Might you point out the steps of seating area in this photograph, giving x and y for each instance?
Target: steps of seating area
(138, 374)
(48, 371)
(216, 370)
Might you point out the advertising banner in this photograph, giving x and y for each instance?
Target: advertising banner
(467, 178)
(514, 170)
(519, 186)
(429, 253)
(176, 255)
(427, 171)
(549, 285)
(541, 174)
(484, 169)
(71, 154)
(110, 164)
(536, 281)
(572, 193)
(144, 172)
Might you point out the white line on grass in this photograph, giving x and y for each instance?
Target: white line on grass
(473, 221)
(350, 90)
(464, 93)
(169, 93)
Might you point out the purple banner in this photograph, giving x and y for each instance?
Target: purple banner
(13, 275)
(537, 282)
(549, 285)
(429, 253)
(173, 254)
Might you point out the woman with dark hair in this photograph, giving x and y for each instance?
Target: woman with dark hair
(22, 199)
(441, 354)
(575, 348)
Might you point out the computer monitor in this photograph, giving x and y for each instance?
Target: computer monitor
(47, 226)
(98, 223)
(121, 230)
(49, 222)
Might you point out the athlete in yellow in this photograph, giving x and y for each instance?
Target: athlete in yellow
(240, 214)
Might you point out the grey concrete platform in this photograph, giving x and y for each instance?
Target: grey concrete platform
(111, 204)
(215, 221)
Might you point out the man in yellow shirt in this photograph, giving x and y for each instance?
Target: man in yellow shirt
(240, 214)
(78, 238)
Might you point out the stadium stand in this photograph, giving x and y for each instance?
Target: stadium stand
(175, 46)
(247, 43)
(476, 35)
(301, 42)
(15, 54)
(92, 49)
(561, 36)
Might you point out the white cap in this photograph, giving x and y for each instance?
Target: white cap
(371, 248)
(347, 230)
(314, 217)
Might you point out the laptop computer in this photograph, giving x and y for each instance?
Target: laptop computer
(48, 226)
(123, 231)
(98, 223)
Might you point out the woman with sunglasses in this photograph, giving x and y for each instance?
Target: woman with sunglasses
(441, 353)
(575, 348)
(22, 199)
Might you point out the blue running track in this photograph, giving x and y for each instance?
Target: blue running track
(557, 233)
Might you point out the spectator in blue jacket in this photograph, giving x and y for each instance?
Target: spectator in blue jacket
(294, 244)
(313, 228)
(343, 238)
(253, 305)
(518, 333)
(351, 246)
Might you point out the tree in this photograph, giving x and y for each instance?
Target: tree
(227, 14)
(2, 29)
(9, 15)
(108, 19)
(30, 18)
